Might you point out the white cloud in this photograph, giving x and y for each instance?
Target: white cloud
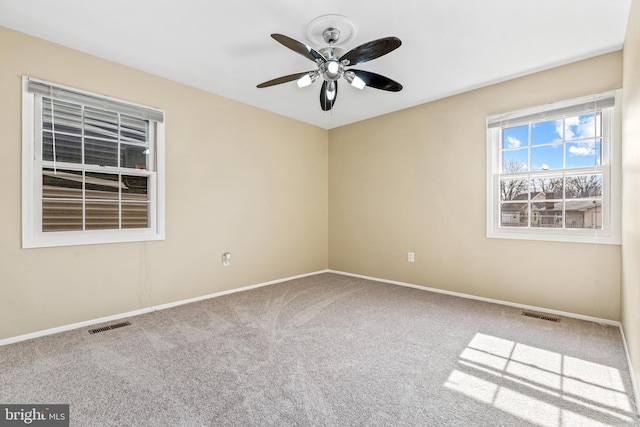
(582, 150)
(558, 124)
(513, 142)
(545, 167)
(575, 127)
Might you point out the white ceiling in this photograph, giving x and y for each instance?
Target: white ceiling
(448, 46)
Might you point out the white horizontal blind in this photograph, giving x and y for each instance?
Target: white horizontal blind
(553, 110)
(75, 201)
(96, 168)
(63, 93)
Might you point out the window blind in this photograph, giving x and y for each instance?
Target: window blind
(75, 96)
(553, 110)
(105, 136)
(85, 138)
(76, 200)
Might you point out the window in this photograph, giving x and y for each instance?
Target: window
(93, 168)
(553, 172)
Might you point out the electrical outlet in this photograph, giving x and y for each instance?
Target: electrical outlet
(410, 257)
(226, 259)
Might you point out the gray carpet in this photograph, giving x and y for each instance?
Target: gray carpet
(329, 350)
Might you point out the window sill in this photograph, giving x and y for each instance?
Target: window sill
(79, 238)
(552, 236)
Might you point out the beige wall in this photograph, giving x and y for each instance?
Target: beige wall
(238, 179)
(631, 188)
(415, 181)
(287, 198)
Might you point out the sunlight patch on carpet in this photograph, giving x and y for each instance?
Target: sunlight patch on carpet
(540, 386)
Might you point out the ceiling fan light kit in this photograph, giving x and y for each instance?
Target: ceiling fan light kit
(332, 61)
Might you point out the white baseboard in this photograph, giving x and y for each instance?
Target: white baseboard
(632, 374)
(145, 310)
(491, 300)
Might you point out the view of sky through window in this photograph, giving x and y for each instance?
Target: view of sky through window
(555, 144)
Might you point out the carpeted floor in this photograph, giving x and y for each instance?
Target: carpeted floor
(329, 350)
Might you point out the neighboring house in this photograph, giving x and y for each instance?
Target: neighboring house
(577, 214)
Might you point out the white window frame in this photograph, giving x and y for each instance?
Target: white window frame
(610, 161)
(32, 166)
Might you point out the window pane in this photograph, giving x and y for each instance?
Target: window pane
(101, 124)
(61, 215)
(580, 127)
(514, 189)
(102, 186)
(133, 130)
(514, 215)
(66, 117)
(102, 153)
(61, 184)
(546, 132)
(584, 214)
(515, 137)
(61, 200)
(583, 153)
(134, 156)
(134, 187)
(135, 215)
(546, 157)
(583, 186)
(546, 188)
(546, 214)
(514, 161)
(102, 215)
(67, 148)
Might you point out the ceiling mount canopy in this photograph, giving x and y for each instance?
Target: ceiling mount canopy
(316, 29)
(332, 62)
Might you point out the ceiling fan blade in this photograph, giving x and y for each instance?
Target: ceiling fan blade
(377, 81)
(371, 50)
(283, 79)
(301, 48)
(326, 99)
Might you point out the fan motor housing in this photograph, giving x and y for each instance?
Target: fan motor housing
(332, 52)
(332, 69)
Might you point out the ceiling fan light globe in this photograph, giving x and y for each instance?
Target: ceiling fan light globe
(304, 81)
(332, 70)
(307, 79)
(331, 91)
(358, 83)
(354, 80)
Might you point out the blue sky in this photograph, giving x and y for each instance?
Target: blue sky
(581, 147)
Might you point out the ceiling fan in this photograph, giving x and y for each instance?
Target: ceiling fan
(332, 64)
